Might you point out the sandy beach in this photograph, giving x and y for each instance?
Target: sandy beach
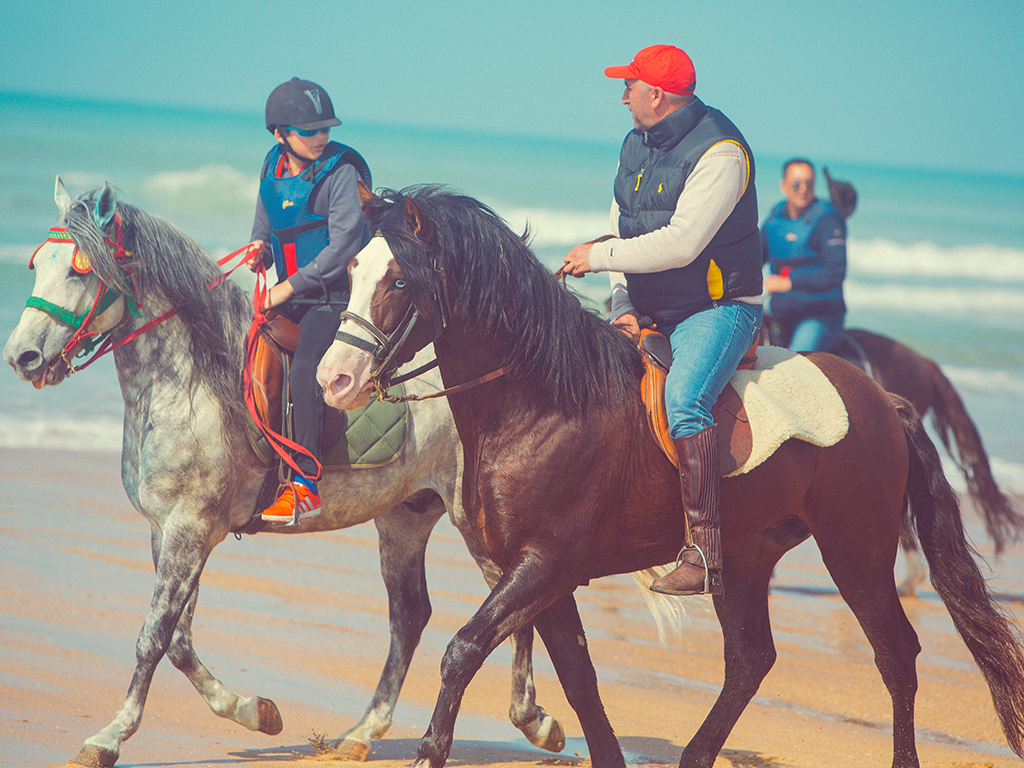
(303, 620)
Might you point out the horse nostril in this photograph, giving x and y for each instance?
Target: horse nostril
(29, 360)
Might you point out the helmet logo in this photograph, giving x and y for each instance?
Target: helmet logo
(314, 96)
(286, 204)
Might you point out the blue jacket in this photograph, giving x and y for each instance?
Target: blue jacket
(811, 252)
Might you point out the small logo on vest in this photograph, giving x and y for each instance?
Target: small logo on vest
(314, 96)
(659, 188)
(286, 204)
(790, 237)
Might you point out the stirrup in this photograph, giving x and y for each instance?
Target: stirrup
(704, 561)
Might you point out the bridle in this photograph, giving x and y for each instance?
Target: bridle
(387, 347)
(84, 341)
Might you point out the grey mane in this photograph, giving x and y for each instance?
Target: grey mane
(164, 260)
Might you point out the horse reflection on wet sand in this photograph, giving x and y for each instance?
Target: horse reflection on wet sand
(563, 482)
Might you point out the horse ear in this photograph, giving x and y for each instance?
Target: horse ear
(364, 192)
(422, 227)
(61, 197)
(106, 207)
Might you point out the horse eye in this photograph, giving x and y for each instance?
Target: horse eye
(399, 285)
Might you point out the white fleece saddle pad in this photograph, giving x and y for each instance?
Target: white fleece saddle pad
(786, 395)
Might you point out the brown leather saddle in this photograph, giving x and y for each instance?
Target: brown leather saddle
(278, 338)
(734, 437)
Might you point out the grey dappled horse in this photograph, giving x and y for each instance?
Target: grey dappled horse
(188, 468)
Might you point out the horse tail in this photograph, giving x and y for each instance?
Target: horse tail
(668, 611)
(935, 513)
(1003, 523)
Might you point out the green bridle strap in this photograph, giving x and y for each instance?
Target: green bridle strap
(66, 317)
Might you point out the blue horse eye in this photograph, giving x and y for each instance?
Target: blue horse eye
(400, 284)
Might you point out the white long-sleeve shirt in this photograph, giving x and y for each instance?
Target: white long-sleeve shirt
(710, 194)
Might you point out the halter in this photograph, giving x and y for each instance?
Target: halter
(84, 341)
(105, 298)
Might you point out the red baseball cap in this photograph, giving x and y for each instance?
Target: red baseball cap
(663, 66)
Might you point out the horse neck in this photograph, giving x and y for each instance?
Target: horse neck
(155, 357)
(158, 363)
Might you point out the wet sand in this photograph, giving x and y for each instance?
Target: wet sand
(303, 620)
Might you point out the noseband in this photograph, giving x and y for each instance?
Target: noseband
(384, 351)
(387, 347)
(83, 341)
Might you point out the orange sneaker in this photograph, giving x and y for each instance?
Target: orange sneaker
(295, 495)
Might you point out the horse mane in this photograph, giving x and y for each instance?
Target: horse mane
(567, 354)
(164, 259)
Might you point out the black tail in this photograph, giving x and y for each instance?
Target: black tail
(935, 512)
(1003, 522)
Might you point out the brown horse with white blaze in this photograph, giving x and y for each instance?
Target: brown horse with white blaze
(563, 482)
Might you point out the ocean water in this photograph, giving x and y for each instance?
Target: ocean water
(936, 258)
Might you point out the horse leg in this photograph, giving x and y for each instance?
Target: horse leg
(749, 655)
(255, 712)
(403, 532)
(562, 632)
(514, 602)
(916, 569)
(866, 585)
(180, 554)
(542, 730)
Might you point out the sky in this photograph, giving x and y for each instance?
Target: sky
(921, 83)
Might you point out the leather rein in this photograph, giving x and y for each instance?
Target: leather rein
(85, 340)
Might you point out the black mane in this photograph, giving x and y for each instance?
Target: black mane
(493, 281)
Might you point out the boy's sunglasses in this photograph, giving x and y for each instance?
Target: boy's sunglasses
(307, 132)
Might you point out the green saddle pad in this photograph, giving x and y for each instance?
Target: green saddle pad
(368, 437)
(374, 435)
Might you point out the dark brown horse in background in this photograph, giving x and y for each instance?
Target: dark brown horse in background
(564, 483)
(920, 380)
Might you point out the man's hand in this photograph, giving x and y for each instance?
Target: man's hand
(255, 255)
(629, 323)
(777, 284)
(577, 261)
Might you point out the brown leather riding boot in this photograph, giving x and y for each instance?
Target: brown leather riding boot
(699, 565)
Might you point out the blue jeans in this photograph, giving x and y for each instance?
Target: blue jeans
(814, 334)
(706, 348)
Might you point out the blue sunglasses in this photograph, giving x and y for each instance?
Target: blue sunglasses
(307, 132)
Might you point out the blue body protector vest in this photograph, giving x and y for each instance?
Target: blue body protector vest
(297, 234)
(653, 168)
(789, 246)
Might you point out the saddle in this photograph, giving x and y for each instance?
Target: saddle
(371, 436)
(735, 439)
(773, 395)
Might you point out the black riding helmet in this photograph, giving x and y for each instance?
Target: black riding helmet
(300, 104)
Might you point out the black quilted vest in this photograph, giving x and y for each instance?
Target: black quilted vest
(653, 168)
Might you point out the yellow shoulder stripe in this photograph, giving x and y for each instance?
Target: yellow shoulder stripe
(746, 157)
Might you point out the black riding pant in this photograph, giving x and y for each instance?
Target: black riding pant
(317, 325)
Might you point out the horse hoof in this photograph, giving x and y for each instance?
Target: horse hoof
(94, 757)
(351, 749)
(544, 732)
(270, 717)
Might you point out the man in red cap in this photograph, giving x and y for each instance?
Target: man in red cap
(684, 254)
